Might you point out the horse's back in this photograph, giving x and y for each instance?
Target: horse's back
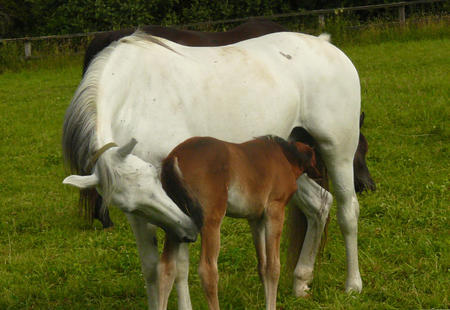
(263, 85)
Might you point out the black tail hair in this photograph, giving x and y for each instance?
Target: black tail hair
(178, 191)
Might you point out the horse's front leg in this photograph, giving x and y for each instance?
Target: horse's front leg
(147, 244)
(315, 202)
(167, 270)
(207, 269)
(273, 229)
(181, 280)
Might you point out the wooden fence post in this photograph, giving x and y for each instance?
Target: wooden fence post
(321, 21)
(27, 49)
(401, 14)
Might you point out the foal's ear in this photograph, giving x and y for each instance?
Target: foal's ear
(82, 182)
(308, 160)
(308, 151)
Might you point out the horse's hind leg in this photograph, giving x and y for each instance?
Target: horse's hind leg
(341, 173)
(315, 203)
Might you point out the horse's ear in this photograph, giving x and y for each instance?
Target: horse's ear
(123, 151)
(361, 119)
(82, 182)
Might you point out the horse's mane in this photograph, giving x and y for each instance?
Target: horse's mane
(79, 140)
(294, 156)
(143, 39)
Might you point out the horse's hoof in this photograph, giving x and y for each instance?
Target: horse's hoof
(302, 291)
(354, 286)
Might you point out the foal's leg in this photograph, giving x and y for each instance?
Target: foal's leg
(274, 227)
(207, 269)
(145, 234)
(174, 267)
(315, 203)
(259, 239)
(167, 270)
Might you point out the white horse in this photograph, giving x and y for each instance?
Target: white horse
(162, 93)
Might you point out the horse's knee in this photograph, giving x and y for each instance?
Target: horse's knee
(348, 214)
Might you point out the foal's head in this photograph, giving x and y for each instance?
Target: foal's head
(300, 155)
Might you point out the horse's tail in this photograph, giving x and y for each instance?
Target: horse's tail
(79, 138)
(179, 192)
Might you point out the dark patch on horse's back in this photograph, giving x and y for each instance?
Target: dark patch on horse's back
(100, 41)
(251, 29)
(177, 191)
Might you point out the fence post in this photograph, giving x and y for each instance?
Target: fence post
(27, 49)
(401, 14)
(321, 21)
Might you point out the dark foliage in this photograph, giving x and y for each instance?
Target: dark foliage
(43, 17)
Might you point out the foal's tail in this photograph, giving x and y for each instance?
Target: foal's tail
(178, 191)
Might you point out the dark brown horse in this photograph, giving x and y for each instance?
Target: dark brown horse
(209, 178)
(251, 29)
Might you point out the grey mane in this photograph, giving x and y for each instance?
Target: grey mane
(139, 37)
(79, 141)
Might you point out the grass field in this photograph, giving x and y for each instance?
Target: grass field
(51, 259)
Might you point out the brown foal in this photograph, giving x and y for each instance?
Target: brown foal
(208, 179)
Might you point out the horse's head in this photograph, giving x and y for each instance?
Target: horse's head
(134, 186)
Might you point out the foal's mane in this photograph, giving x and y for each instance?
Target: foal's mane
(293, 155)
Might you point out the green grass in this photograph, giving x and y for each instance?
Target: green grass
(51, 259)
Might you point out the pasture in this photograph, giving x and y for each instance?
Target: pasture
(51, 259)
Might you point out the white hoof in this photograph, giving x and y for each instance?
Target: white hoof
(354, 285)
(301, 289)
